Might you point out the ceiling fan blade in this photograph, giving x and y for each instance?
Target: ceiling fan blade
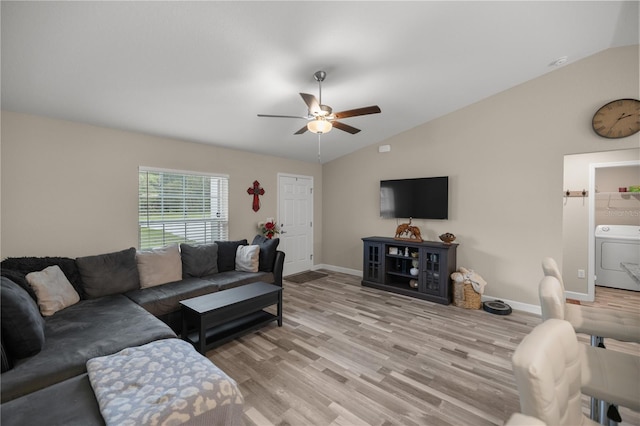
(374, 109)
(283, 116)
(301, 131)
(312, 103)
(345, 127)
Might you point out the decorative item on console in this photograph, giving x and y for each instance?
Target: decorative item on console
(414, 267)
(269, 228)
(447, 238)
(407, 232)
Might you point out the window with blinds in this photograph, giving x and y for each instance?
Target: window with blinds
(181, 207)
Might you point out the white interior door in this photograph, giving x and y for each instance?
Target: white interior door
(295, 214)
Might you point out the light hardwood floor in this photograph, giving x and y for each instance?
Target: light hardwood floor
(350, 355)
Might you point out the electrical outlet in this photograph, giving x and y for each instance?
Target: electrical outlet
(581, 273)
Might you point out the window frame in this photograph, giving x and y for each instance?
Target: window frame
(216, 227)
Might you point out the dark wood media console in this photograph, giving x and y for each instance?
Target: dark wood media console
(387, 265)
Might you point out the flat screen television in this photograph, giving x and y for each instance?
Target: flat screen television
(420, 198)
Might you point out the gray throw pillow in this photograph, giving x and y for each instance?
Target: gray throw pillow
(22, 324)
(268, 248)
(199, 261)
(110, 273)
(227, 254)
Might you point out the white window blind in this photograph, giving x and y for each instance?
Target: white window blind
(181, 207)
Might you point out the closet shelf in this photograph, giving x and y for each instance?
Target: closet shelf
(623, 195)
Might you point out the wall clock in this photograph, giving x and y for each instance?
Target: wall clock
(617, 119)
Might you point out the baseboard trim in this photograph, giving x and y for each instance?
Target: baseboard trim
(339, 269)
(519, 306)
(578, 296)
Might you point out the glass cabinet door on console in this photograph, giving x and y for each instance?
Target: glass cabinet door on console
(373, 262)
(430, 271)
(417, 269)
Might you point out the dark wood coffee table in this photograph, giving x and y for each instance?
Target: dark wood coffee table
(222, 316)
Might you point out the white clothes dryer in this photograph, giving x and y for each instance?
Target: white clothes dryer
(618, 256)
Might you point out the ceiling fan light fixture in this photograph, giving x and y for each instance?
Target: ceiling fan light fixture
(319, 126)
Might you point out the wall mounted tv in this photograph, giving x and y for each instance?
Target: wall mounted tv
(420, 198)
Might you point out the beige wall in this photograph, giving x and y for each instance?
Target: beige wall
(70, 189)
(504, 157)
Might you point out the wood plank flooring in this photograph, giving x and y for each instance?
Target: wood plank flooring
(350, 355)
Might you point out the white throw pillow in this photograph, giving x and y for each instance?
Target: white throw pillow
(159, 266)
(247, 258)
(53, 290)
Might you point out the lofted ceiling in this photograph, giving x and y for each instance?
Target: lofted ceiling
(202, 71)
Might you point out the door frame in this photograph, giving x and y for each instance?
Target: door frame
(591, 265)
(311, 211)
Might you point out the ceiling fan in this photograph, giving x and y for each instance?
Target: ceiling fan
(321, 118)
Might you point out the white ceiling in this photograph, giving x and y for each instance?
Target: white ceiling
(202, 71)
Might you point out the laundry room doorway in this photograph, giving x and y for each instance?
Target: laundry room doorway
(613, 207)
(585, 204)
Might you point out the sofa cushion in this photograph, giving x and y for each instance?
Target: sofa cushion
(20, 279)
(247, 258)
(268, 248)
(22, 324)
(227, 254)
(200, 260)
(232, 279)
(110, 273)
(166, 298)
(16, 269)
(159, 266)
(7, 364)
(53, 290)
(78, 333)
(80, 407)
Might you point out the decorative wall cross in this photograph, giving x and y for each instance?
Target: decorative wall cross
(256, 191)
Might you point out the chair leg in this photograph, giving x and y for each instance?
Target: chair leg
(598, 408)
(602, 413)
(594, 405)
(613, 415)
(597, 341)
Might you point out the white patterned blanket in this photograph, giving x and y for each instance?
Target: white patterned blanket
(165, 382)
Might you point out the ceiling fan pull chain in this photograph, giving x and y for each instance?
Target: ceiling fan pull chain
(319, 158)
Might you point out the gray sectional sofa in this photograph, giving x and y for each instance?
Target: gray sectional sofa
(124, 299)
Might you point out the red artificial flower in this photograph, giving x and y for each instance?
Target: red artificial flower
(269, 229)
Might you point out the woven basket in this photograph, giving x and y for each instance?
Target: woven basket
(464, 296)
